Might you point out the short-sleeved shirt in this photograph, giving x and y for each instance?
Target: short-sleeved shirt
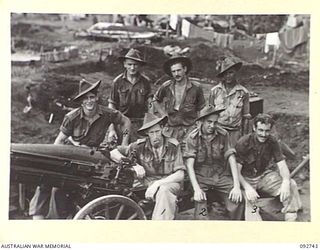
(255, 156)
(90, 133)
(236, 103)
(130, 99)
(169, 161)
(213, 153)
(191, 103)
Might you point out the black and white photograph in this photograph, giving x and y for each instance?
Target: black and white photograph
(160, 117)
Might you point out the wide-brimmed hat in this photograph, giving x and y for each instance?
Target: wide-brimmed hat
(209, 110)
(227, 64)
(135, 55)
(176, 59)
(151, 120)
(86, 87)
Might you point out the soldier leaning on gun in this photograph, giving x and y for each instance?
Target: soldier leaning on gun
(83, 126)
(130, 93)
(159, 166)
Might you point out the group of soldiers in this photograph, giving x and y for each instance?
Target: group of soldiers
(181, 135)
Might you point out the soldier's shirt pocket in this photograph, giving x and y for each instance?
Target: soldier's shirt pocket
(141, 96)
(239, 101)
(201, 154)
(169, 161)
(123, 96)
(217, 151)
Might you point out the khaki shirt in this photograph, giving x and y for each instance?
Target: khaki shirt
(90, 133)
(130, 99)
(254, 156)
(213, 153)
(191, 103)
(169, 162)
(236, 103)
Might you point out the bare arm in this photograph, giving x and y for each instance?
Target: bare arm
(126, 130)
(175, 177)
(251, 193)
(115, 155)
(199, 194)
(192, 175)
(285, 174)
(61, 139)
(235, 193)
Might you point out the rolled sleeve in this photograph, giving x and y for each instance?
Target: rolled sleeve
(277, 152)
(178, 164)
(66, 126)
(191, 148)
(240, 152)
(114, 98)
(158, 96)
(229, 152)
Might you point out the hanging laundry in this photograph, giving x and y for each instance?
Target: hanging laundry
(291, 38)
(173, 21)
(272, 39)
(192, 31)
(260, 36)
(224, 40)
(185, 29)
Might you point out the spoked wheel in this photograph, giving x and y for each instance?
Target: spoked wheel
(111, 207)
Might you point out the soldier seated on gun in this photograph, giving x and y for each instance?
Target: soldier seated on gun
(254, 153)
(86, 126)
(208, 155)
(159, 166)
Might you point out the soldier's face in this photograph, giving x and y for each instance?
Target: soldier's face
(262, 131)
(89, 102)
(209, 124)
(131, 66)
(229, 76)
(178, 71)
(155, 135)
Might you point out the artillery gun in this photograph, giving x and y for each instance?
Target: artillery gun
(100, 188)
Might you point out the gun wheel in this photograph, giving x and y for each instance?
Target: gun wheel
(111, 207)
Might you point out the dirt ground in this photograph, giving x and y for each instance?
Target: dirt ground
(284, 87)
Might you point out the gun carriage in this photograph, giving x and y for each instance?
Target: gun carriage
(100, 188)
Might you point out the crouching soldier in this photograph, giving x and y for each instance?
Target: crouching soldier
(254, 153)
(159, 166)
(208, 155)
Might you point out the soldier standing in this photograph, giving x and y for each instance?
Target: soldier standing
(179, 98)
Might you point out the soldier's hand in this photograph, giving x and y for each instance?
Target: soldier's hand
(112, 136)
(139, 171)
(235, 194)
(251, 194)
(199, 195)
(152, 190)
